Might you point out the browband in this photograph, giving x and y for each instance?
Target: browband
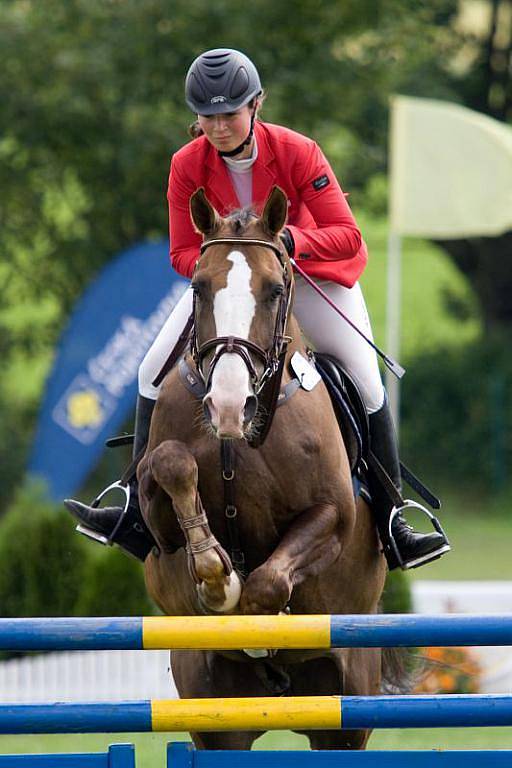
(242, 241)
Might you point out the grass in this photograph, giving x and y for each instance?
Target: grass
(479, 528)
(480, 544)
(150, 747)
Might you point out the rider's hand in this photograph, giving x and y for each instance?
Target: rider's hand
(288, 241)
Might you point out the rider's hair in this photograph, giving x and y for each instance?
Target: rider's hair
(195, 130)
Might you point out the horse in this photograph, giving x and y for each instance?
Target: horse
(309, 546)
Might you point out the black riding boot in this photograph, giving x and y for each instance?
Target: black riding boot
(120, 525)
(414, 548)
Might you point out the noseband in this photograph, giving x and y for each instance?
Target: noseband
(271, 357)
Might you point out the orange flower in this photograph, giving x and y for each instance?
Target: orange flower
(450, 670)
(447, 683)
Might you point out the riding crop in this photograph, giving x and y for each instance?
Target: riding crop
(393, 366)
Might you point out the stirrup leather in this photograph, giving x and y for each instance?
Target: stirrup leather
(107, 541)
(407, 505)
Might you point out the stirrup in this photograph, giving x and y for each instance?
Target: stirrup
(90, 533)
(430, 556)
(119, 440)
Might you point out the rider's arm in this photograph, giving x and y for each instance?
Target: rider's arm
(337, 236)
(184, 240)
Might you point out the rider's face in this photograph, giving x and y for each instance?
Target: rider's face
(226, 132)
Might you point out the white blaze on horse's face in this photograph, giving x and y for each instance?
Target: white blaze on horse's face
(234, 309)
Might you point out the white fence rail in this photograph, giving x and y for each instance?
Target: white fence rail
(87, 676)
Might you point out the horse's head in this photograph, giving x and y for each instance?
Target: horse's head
(242, 288)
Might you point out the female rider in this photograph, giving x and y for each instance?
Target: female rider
(237, 159)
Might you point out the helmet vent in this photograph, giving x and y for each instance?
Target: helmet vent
(196, 90)
(240, 83)
(213, 56)
(216, 62)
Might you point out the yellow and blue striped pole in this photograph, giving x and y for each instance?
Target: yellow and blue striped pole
(238, 632)
(260, 714)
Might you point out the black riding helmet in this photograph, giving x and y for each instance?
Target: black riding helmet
(219, 81)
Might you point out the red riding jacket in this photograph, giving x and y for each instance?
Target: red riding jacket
(326, 235)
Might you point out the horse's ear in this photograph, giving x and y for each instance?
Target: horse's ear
(204, 216)
(275, 212)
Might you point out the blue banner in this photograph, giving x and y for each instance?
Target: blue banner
(93, 385)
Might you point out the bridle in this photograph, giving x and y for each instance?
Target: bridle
(273, 356)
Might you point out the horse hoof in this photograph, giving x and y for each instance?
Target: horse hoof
(222, 598)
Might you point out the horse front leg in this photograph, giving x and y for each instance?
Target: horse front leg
(175, 470)
(312, 543)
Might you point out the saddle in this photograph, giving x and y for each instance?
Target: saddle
(349, 409)
(354, 426)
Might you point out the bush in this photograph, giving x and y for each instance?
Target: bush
(114, 587)
(42, 561)
(15, 426)
(457, 414)
(47, 569)
(396, 597)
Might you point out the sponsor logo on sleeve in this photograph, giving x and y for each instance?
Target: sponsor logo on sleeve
(321, 182)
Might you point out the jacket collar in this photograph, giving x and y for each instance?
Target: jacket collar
(263, 174)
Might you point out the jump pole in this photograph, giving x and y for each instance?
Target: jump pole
(238, 632)
(256, 714)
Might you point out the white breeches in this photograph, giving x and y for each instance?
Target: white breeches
(324, 329)
(161, 348)
(331, 334)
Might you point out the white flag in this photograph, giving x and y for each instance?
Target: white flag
(451, 170)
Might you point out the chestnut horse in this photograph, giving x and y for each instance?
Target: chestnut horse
(309, 547)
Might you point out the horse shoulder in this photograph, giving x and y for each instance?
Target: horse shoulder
(308, 427)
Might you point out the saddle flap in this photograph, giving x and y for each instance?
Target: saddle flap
(348, 406)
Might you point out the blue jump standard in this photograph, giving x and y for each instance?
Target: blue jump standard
(372, 631)
(118, 756)
(467, 710)
(183, 755)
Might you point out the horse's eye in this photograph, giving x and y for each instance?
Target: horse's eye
(277, 291)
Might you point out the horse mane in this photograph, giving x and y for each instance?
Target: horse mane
(241, 218)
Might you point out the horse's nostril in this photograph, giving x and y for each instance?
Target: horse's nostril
(251, 406)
